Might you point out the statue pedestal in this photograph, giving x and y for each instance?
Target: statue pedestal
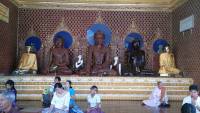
(164, 75)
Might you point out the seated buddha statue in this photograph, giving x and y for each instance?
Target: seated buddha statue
(136, 57)
(28, 62)
(59, 58)
(98, 59)
(167, 62)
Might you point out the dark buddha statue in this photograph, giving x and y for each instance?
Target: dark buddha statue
(59, 58)
(136, 57)
(98, 60)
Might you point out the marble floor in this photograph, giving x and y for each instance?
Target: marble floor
(110, 107)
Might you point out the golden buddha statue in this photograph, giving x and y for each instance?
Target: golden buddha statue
(28, 62)
(167, 63)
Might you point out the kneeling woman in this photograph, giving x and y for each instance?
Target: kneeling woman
(94, 101)
(60, 101)
(158, 97)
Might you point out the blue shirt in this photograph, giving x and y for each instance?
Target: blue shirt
(72, 93)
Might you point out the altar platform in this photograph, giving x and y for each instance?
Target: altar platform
(110, 88)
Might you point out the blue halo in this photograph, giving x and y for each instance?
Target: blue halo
(131, 37)
(67, 38)
(34, 41)
(99, 27)
(158, 42)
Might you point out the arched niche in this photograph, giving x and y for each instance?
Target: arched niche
(159, 44)
(99, 27)
(133, 37)
(68, 39)
(34, 41)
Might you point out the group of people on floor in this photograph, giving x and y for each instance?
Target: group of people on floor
(61, 99)
(58, 98)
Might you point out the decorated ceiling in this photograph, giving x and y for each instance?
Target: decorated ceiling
(140, 5)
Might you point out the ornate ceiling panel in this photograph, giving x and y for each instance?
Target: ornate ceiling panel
(136, 5)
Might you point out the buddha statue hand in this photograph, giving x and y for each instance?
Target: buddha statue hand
(79, 62)
(116, 60)
(53, 68)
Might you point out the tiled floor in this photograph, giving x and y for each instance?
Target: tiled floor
(114, 107)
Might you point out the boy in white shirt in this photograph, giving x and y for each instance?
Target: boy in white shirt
(193, 98)
(94, 101)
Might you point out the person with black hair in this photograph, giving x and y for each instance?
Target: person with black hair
(60, 101)
(193, 98)
(94, 101)
(48, 92)
(74, 108)
(188, 108)
(10, 87)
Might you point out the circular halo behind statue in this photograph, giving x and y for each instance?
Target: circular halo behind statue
(157, 44)
(68, 40)
(133, 37)
(99, 27)
(34, 42)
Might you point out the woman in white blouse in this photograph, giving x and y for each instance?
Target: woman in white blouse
(94, 101)
(60, 101)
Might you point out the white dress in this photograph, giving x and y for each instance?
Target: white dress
(61, 104)
(154, 99)
(93, 101)
(188, 100)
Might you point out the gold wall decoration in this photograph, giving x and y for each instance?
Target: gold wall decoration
(133, 28)
(105, 5)
(4, 13)
(158, 33)
(99, 18)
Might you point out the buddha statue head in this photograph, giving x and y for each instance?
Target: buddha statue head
(59, 42)
(167, 49)
(99, 38)
(136, 45)
(28, 49)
